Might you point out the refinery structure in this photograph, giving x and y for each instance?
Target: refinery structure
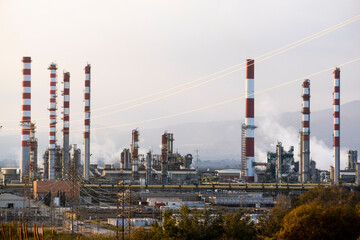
(62, 163)
(147, 182)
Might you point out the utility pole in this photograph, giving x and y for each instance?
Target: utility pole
(23, 208)
(129, 210)
(73, 172)
(117, 211)
(51, 206)
(123, 210)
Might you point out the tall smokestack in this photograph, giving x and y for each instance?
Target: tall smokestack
(25, 119)
(164, 159)
(66, 125)
(134, 155)
(249, 121)
(52, 132)
(336, 125)
(306, 131)
(87, 123)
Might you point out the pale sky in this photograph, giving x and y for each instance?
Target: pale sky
(137, 48)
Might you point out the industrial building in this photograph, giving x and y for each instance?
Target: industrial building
(65, 162)
(9, 175)
(169, 167)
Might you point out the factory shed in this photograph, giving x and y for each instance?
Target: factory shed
(9, 175)
(8, 200)
(41, 188)
(228, 175)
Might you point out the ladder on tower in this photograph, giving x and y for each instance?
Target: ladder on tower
(243, 165)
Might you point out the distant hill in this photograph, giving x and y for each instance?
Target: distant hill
(219, 142)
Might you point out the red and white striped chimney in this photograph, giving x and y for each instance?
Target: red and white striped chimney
(26, 118)
(87, 123)
(305, 156)
(336, 125)
(66, 125)
(249, 121)
(52, 125)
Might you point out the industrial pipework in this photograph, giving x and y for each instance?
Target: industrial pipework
(87, 123)
(66, 125)
(148, 167)
(170, 143)
(26, 118)
(279, 162)
(125, 159)
(164, 159)
(122, 160)
(336, 125)
(52, 125)
(33, 143)
(351, 159)
(305, 156)
(135, 155)
(249, 121)
(75, 161)
(300, 157)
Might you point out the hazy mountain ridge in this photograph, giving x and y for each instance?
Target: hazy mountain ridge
(221, 140)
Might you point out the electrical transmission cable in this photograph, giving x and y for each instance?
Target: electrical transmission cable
(225, 101)
(258, 60)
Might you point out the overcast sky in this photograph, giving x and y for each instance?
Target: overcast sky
(137, 48)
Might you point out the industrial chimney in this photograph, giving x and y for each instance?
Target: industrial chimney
(66, 125)
(87, 123)
(336, 125)
(305, 156)
(25, 119)
(52, 125)
(249, 121)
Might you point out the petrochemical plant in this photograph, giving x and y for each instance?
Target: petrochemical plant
(169, 167)
(167, 179)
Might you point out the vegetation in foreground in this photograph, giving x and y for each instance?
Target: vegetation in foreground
(15, 231)
(321, 213)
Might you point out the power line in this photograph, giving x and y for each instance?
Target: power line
(258, 60)
(223, 102)
(219, 103)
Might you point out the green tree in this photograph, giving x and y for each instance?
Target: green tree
(271, 223)
(238, 226)
(141, 234)
(169, 226)
(330, 196)
(216, 227)
(312, 221)
(156, 230)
